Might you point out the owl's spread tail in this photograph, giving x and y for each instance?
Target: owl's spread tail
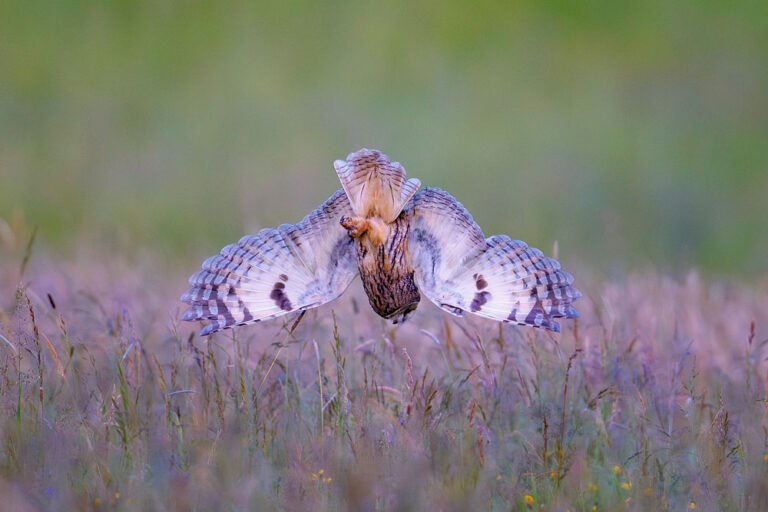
(374, 185)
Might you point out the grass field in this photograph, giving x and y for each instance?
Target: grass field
(654, 400)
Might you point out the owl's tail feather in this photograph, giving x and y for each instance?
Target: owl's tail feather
(374, 185)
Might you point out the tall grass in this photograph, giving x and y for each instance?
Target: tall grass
(654, 400)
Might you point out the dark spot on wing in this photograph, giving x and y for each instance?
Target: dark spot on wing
(429, 251)
(530, 318)
(223, 311)
(247, 316)
(512, 315)
(341, 259)
(342, 252)
(538, 317)
(284, 278)
(480, 299)
(453, 309)
(280, 298)
(480, 282)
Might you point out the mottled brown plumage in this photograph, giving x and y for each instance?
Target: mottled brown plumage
(381, 244)
(400, 242)
(383, 266)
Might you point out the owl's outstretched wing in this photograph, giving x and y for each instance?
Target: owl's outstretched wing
(276, 271)
(498, 278)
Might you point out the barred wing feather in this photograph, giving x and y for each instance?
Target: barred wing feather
(276, 271)
(497, 278)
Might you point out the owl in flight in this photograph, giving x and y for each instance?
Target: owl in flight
(401, 242)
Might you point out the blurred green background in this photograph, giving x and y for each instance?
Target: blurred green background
(633, 133)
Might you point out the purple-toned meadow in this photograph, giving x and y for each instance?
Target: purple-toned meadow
(654, 400)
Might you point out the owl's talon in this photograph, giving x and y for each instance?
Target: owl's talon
(355, 226)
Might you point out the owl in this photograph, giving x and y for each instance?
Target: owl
(402, 241)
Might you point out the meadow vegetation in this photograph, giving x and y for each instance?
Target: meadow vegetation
(654, 400)
(633, 133)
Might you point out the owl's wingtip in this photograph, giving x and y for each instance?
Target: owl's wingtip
(189, 315)
(207, 330)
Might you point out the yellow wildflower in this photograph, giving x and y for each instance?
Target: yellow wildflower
(592, 488)
(321, 472)
(626, 486)
(528, 499)
(314, 476)
(616, 470)
(692, 506)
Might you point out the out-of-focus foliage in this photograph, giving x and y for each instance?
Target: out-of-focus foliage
(628, 131)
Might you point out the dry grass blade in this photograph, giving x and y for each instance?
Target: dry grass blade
(59, 367)
(11, 345)
(27, 252)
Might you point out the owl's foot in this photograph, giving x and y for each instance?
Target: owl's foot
(355, 226)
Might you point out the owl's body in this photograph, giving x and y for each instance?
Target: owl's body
(387, 277)
(401, 242)
(379, 197)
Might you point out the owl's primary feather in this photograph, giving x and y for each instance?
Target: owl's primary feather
(400, 241)
(276, 271)
(498, 278)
